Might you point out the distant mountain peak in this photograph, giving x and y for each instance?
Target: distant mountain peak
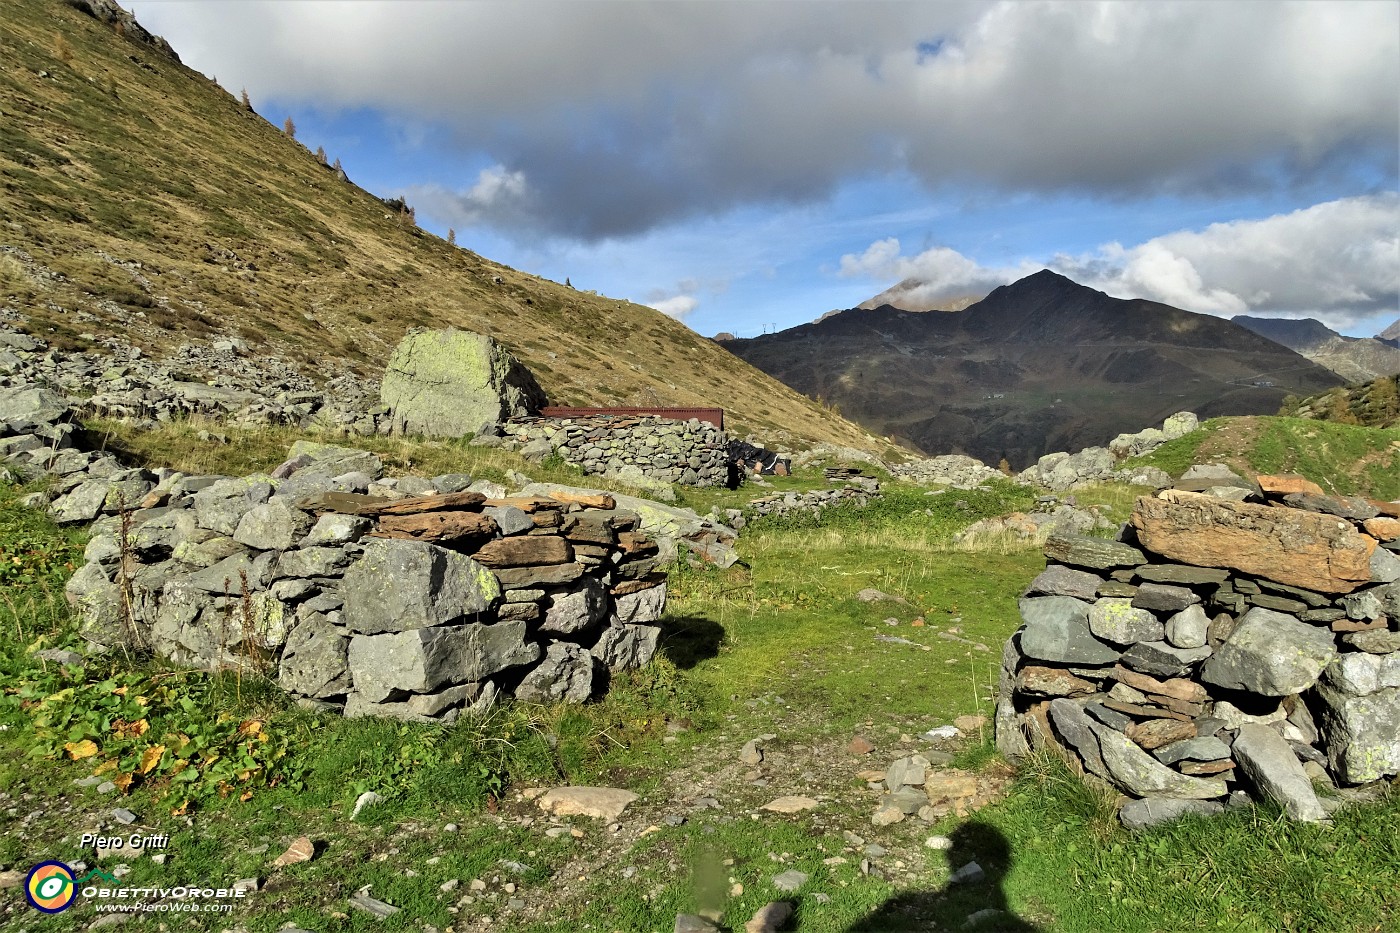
(1355, 359)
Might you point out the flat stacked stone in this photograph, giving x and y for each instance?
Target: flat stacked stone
(1187, 660)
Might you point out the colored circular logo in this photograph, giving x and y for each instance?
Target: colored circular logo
(50, 888)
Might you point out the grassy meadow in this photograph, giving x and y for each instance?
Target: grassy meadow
(776, 646)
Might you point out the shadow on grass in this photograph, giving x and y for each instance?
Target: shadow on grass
(974, 904)
(688, 640)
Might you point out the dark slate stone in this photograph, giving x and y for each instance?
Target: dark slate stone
(1180, 573)
(1162, 660)
(1154, 811)
(1074, 727)
(1314, 600)
(1279, 603)
(1109, 717)
(1160, 597)
(1094, 553)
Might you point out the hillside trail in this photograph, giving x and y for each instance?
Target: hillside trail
(712, 789)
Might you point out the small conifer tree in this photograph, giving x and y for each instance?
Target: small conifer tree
(451, 237)
(289, 129)
(336, 166)
(321, 155)
(247, 104)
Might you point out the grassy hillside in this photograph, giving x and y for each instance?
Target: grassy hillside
(1375, 403)
(142, 200)
(1343, 458)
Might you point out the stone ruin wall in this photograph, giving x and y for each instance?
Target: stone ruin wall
(1219, 649)
(690, 453)
(415, 602)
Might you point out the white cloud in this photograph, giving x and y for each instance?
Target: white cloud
(627, 116)
(1338, 261)
(497, 194)
(677, 306)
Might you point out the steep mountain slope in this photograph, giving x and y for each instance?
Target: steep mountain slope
(1391, 334)
(1355, 359)
(140, 200)
(1040, 365)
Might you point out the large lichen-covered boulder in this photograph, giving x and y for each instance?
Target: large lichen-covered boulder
(448, 383)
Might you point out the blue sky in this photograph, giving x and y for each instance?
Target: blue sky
(746, 166)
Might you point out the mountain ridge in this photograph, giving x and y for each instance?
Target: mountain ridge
(1039, 365)
(1355, 359)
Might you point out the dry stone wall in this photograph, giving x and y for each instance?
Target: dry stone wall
(692, 453)
(413, 598)
(1221, 648)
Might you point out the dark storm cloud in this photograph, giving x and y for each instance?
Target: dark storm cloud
(607, 119)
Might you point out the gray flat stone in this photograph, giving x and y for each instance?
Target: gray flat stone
(1093, 553)
(1058, 580)
(1154, 811)
(1057, 629)
(1270, 764)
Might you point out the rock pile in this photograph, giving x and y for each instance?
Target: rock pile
(814, 502)
(1220, 646)
(639, 450)
(1050, 516)
(223, 380)
(954, 470)
(1061, 471)
(401, 597)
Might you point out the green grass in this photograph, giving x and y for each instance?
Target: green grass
(1249, 870)
(777, 644)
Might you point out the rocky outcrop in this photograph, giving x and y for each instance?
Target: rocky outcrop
(1220, 646)
(449, 383)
